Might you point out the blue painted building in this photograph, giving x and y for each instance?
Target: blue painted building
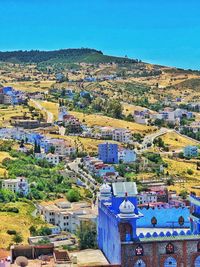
(108, 153)
(106, 169)
(165, 217)
(191, 151)
(125, 245)
(115, 209)
(195, 214)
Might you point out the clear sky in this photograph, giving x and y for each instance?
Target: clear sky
(158, 31)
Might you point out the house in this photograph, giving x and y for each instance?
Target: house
(62, 112)
(51, 158)
(141, 117)
(72, 124)
(106, 132)
(146, 198)
(60, 77)
(67, 216)
(193, 127)
(62, 147)
(18, 185)
(190, 151)
(121, 135)
(107, 169)
(108, 153)
(127, 155)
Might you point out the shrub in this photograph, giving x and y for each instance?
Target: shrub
(11, 232)
(190, 172)
(73, 195)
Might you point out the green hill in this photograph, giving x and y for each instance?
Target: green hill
(61, 56)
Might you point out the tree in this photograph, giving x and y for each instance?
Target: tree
(44, 231)
(73, 195)
(87, 234)
(17, 238)
(7, 196)
(32, 230)
(183, 194)
(52, 149)
(190, 172)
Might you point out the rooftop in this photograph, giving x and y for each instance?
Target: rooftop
(122, 188)
(90, 257)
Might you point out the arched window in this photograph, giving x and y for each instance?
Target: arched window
(170, 262)
(169, 248)
(197, 262)
(140, 263)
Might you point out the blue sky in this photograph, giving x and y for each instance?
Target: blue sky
(158, 31)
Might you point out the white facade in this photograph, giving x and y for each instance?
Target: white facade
(67, 216)
(140, 119)
(18, 185)
(147, 197)
(62, 113)
(121, 135)
(51, 158)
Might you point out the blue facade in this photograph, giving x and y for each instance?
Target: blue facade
(106, 169)
(191, 151)
(195, 214)
(166, 217)
(112, 215)
(108, 153)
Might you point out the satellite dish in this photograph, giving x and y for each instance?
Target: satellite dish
(21, 261)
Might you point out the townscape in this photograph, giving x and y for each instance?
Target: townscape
(99, 161)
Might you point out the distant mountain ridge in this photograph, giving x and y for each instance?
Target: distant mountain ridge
(61, 56)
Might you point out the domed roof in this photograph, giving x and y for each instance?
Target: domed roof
(127, 208)
(105, 189)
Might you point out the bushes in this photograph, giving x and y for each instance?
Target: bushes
(11, 232)
(189, 171)
(73, 195)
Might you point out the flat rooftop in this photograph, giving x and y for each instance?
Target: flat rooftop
(90, 257)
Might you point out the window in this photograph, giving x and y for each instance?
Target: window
(170, 262)
(140, 263)
(169, 248)
(197, 262)
(139, 251)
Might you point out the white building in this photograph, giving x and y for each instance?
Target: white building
(18, 185)
(51, 158)
(140, 119)
(147, 197)
(62, 147)
(121, 135)
(62, 113)
(68, 216)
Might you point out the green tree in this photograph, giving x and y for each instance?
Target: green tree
(73, 195)
(87, 234)
(17, 238)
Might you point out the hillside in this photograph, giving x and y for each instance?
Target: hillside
(61, 56)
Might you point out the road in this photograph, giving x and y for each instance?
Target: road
(148, 139)
(50, 118)
(89, 181)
